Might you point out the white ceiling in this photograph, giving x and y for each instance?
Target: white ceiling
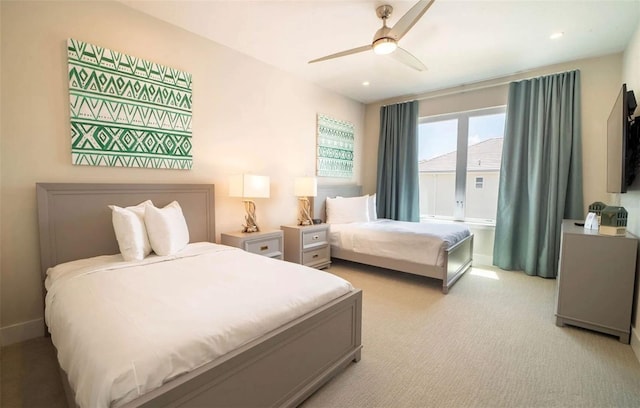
(461, 42)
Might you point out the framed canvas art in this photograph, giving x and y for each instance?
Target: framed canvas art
(127, 112)
(335, 147)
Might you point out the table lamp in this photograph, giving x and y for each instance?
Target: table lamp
(305, 187)
(249, 186)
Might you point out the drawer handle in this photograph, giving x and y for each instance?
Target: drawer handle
(315, 256)
(264, 247)
(316, 236)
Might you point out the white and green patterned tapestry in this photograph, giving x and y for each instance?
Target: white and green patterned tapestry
(335, 147)
(127, 112)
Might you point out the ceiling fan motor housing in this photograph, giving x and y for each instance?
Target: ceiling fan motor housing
(382, 42)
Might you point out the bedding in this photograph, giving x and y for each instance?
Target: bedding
(124, 328)
(424, 243)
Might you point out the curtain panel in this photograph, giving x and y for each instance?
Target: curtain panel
(541, 173)
(397, 189)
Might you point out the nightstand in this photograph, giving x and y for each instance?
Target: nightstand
(267, 243)
(307, 245)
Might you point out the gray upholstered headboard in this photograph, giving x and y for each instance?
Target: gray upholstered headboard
(75, 222)
(324, 191)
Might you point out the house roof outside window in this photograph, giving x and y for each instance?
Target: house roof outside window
(481, 157)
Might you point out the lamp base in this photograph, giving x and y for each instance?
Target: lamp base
(305, 212)
(250, 218)
(250, 228)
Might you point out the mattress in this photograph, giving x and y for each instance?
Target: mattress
(424, 243)
(122, 329)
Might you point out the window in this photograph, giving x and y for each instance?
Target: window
(459, 162)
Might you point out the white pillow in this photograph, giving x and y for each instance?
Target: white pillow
(342, 210)
(373, 211)
(131, 233)
(167, 229)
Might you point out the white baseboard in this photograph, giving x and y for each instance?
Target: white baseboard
(635, 342)
(21, 332)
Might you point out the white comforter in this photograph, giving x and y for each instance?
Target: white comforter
(124, 328)
(423, 243)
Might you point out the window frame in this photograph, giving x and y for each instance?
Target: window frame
(462, 145)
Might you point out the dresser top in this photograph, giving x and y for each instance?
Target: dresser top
(259, 234)
(569, 227)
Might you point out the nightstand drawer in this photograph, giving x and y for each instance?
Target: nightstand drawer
(307, 245)
(266, 243)
(268, 246)
(316, 256)
(311, 239)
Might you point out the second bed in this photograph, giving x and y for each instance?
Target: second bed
(442, 251)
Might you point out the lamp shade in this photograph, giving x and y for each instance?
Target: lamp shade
(249, 186)
(305, 187)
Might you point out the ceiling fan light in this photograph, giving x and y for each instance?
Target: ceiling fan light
(384, 46)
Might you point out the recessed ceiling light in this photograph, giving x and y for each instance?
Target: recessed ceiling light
(556, 35)
(365, 83)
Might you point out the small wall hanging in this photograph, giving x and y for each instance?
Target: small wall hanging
(127, 112)
(335, 147)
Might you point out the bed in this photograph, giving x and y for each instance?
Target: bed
(282, 366)
(452, 261)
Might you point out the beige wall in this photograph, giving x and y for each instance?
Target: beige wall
(247, 117)
(631, 200)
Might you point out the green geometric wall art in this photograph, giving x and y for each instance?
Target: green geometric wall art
(127, 112)
(335, 147)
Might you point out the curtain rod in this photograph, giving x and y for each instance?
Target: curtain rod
(453, 91)
(476, 86)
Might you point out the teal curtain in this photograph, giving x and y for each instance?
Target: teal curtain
(541, 173)
(397, 190)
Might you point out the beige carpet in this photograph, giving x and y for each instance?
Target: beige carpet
(491, 342)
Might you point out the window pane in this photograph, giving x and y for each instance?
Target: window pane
(484, 155)
(437, 165)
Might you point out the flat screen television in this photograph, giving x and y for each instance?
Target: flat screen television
(622, 143)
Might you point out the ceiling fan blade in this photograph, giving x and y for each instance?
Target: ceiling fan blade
(405, 57)
(343, 53)
(410, 18)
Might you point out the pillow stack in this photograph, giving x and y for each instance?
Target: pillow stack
(343, 210)
(142, 228)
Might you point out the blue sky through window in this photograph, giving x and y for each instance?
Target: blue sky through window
(438, 138)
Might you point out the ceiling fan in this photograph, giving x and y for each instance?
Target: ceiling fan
(385, 40)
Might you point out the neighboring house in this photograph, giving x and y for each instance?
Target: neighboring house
(437, 182)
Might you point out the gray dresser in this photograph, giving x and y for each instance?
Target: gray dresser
(596, 279)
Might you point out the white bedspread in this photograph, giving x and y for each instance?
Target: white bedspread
(124, 328)
(423, 243)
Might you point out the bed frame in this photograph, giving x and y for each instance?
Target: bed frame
(457, 259)
(281, 368)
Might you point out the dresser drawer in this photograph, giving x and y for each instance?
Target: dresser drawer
(312, 239)
(271, 247)
(316, 256)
